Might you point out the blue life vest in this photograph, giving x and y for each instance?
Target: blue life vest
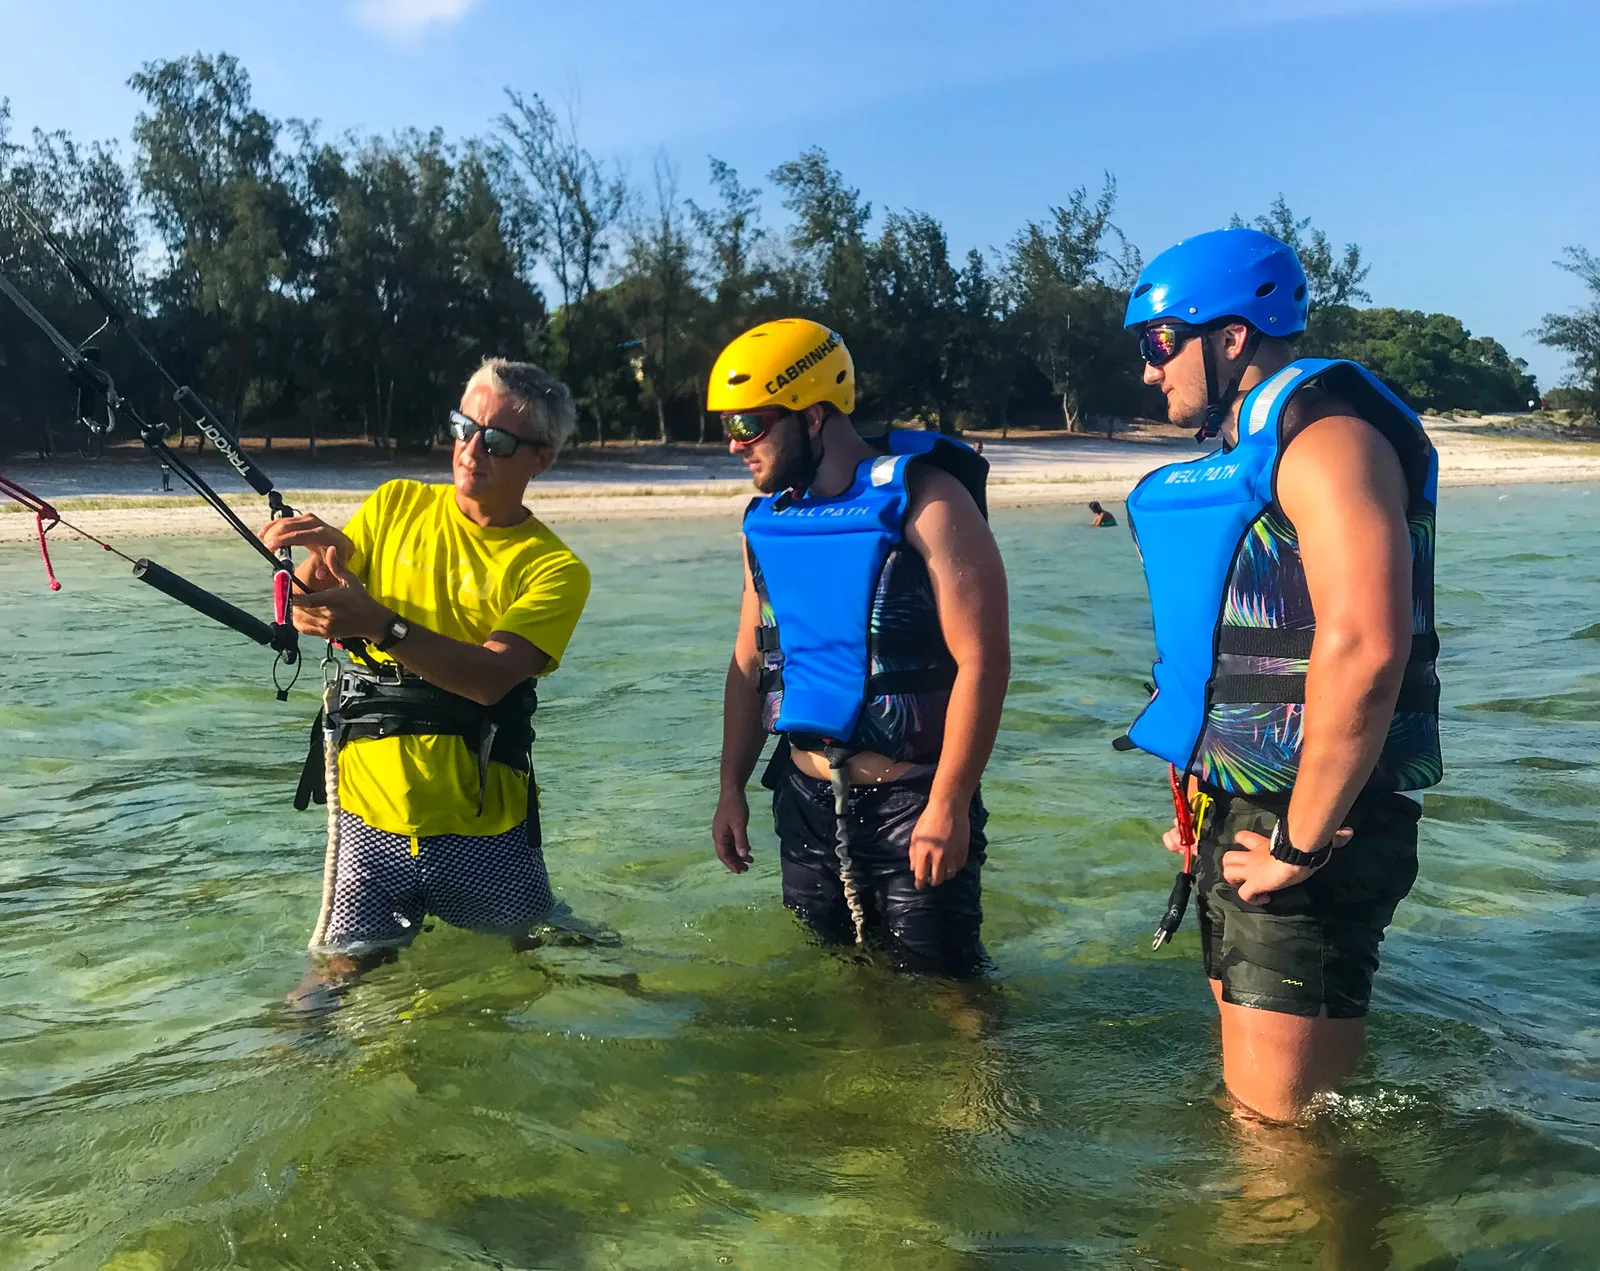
(1233, 620)
(852, 650)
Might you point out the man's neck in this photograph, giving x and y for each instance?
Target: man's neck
(491, 515)
(1257, 373)
(843, 450)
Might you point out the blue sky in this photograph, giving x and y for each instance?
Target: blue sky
(1453, 139)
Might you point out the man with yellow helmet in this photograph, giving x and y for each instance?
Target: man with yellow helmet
(873, 637)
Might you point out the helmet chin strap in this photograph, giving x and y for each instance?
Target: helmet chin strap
(1219, 404)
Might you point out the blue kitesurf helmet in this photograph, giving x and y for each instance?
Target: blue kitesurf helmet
(1238, 274)
(1228, 273)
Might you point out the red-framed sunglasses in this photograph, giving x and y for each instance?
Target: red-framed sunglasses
(748, 426)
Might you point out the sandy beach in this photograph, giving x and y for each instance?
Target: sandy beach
(119, 494)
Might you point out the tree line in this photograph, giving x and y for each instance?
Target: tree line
(333, 287)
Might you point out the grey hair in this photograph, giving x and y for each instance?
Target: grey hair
(541, 398)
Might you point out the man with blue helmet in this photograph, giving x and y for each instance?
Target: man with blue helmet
(1291, 586)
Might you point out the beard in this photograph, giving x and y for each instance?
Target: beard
(792, 464)
(1185, 412)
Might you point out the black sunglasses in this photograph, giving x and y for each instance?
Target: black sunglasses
(1160, 342)
(497, 441)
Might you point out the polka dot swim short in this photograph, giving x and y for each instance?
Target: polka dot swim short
(385, 884)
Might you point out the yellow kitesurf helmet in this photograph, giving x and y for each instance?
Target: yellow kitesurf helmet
(791, 363)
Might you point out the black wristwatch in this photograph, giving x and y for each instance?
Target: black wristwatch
(397, 630)
(1285, 851)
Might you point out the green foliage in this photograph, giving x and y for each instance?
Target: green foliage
(1066, 285)
(1331, 278)
(1430, 359)
(82, 196)
(352, 284)
(1578, 334)
(661, 302)
(1574, 400)
(412, 281)
(564, 207)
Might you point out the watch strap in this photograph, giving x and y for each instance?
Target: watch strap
(1285, 851)
(391, 636)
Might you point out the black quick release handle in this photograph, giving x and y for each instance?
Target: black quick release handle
(202, 601)
(1177, 906)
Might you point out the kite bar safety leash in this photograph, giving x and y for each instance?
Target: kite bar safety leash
(1178, 900)
(42, 513)
(146, 571)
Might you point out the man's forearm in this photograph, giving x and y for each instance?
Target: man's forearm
(971, 722)
(1349, 703)
(742, 734)
(468, 670)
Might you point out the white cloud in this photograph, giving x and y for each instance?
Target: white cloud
(406, 19)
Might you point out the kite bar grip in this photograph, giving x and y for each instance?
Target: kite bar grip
(202, 601)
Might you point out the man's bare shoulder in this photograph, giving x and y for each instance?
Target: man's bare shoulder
(1339, 455)
(930, 485)
(1312, 405)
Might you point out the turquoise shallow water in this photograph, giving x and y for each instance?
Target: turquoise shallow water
(715, 1091)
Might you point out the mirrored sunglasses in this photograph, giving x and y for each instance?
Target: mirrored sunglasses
(746, 426)
(1160, 342)
(497, 441)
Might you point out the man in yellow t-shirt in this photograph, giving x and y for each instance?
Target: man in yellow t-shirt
(463, 597)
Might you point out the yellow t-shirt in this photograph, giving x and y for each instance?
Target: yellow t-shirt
(418, 555)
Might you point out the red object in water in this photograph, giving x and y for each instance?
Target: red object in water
(42, 512)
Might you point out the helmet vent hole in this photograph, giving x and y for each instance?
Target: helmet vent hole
(739, 377)
(839, 378)
(1300, 292)
(1266, 289)
(1141, 289)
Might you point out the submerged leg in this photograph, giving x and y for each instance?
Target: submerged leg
(1275, 1064)
(332, 975)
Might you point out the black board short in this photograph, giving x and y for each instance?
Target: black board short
(934, 931)
(1315, 944)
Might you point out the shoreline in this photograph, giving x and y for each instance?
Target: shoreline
(112, 496)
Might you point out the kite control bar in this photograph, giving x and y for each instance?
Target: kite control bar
(88, 374)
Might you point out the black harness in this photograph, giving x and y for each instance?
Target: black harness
(389, 702)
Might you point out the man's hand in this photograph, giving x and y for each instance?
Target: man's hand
(306, 531)
(345, 610)
(312, 533)
(730, 830)
(1255, 872)
(939, 844)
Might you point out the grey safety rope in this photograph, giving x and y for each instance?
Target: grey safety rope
(837, 758)
(330, 785)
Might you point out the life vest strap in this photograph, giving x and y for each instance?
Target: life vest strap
(922, 679)
(1290, 690)
(1287, 642)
